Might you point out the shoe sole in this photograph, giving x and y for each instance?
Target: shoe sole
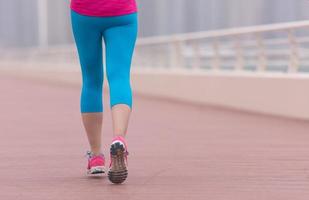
(118, 172)
(96, 170)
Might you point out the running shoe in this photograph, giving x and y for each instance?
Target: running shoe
(96, 163)
(118, 168)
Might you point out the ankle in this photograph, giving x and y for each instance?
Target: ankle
(122, 136)
(119, 137)
(96, 153)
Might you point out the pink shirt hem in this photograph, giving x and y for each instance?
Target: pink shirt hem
(101, 9)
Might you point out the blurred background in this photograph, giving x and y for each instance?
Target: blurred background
(220, 102)
(41, 22)
(208, 45)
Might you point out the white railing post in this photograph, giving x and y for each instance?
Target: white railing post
(216, 59)
(239, 54)
(196, 55)
(262, 59)
(294, 56)
(176, 59)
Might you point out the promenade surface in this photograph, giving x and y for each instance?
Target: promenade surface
(177, 151)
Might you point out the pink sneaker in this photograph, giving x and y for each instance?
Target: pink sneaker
(96, 164)
(118, 167)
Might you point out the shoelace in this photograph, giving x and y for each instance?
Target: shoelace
(89, 155)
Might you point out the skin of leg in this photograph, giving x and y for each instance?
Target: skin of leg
(89, 45)
(120, 42)
(120, 115)
(93, 125)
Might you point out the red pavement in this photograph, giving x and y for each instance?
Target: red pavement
(177, 151)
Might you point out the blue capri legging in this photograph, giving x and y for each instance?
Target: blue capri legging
(119, 34)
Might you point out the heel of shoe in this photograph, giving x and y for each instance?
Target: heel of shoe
(118, 172)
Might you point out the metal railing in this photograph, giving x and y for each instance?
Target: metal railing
(282, 48)
(268, 48)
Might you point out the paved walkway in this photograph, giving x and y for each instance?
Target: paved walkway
(177, 151)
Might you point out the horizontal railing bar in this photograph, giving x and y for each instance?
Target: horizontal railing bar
(223, 32)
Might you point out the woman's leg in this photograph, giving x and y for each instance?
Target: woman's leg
(88, 40)
(93, 126)
(120, 42)
(120, 115)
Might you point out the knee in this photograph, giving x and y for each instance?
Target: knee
(92, 75)
(92, 88)
(92, 83)
(91, 96)
(92, 79)
(119, 85)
